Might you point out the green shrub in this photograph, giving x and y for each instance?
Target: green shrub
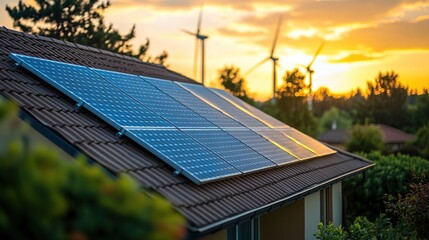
(391, 175)
(44, 197)
(330, 232)
(364, 138)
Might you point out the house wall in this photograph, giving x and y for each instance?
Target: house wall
(312, 214)
(337, 203)
(283, 223)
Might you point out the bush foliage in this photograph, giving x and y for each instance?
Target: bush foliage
(391, 175)
(44, 197)
(365, 138)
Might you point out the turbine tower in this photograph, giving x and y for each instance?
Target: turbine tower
(199, 38)
(272, 58)
(310, 72)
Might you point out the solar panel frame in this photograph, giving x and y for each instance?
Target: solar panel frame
(249, 109)
(290, 145)
(154, 99)
(185, 148)
(263, 146)
(223, 105)
(308, 141)
(231, 150)
(232, 136)
(131, 105)
(188, 99)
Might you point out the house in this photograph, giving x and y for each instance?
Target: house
(283, 202)
(394, 139)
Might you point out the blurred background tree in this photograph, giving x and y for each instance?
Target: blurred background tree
(232, 81)
(364, 138)
(335, 119)
(78, 21)
(45, 197)
(291, 102)
(386, 101)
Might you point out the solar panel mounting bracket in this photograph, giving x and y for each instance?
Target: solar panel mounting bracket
(120, 133)
(18, 64)
(79, 105)
(177, 172)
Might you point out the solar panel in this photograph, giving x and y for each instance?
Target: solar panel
(294, 148)
(156, 100)
(262, 146)
(101, 97)
(184, 153)
(222, 104)
(197, 105)
(204, 134)
(231, 150)
(315, 145)
(245, 107)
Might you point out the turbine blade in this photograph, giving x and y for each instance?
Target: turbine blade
(189, 32)
(276, 36)
(255, 66)
(200, 18)
(317, 53)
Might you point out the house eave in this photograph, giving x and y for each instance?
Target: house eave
(201, 231)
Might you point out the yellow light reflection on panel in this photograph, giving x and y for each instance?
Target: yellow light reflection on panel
(244, 110)
(281, 147)
(208, 102)
(301, 144)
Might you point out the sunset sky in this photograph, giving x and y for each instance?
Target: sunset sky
(362, 37)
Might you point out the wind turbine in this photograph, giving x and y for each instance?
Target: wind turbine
(272, 58)
(310, 72)
(199, 38)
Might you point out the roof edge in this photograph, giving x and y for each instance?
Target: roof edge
(268, 207)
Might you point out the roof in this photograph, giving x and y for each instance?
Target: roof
(391, 135)
(207, 207)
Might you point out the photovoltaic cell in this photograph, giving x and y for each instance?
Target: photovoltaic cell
(317, 146)
(243, 106)
(197, 105)
(231, 150)
(181, 151)
(262, 146)
(156, 100)
(227, 107)
(288, 144)
(100, 96)
(204, 134)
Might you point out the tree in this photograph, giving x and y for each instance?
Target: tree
(233, 82)
(386, 102)
(336, 117)
(291, 103)
(79, 21)
(45, 197)
(413, 209)
(422, 141)
(365, 138)
(422, 109)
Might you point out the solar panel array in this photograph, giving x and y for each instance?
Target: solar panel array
(203, 133)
